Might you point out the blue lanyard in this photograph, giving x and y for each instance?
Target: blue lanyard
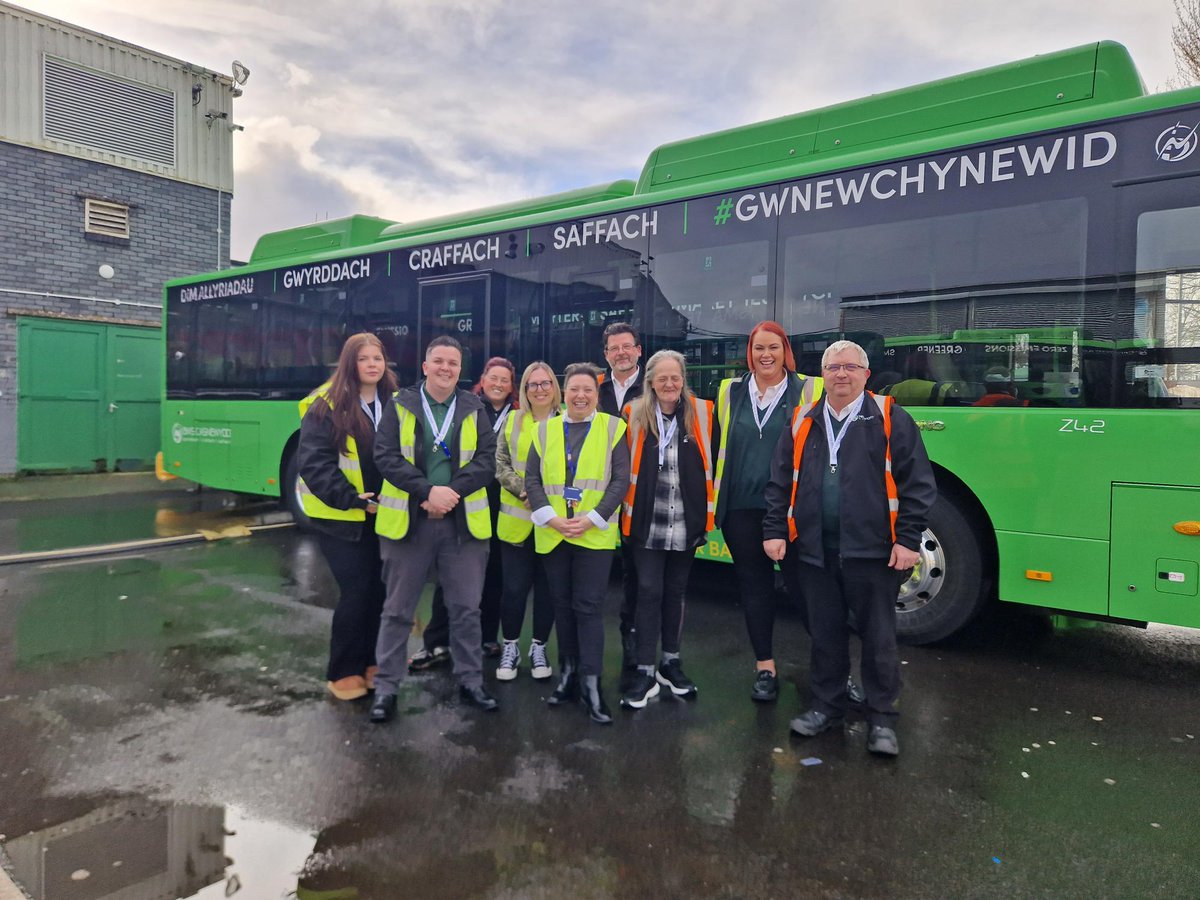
(572, 462)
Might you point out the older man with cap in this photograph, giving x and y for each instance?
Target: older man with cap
(849, 493)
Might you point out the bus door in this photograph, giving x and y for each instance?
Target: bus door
(1155, 528)
(458, 306)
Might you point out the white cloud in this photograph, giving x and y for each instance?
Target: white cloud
(434, 106)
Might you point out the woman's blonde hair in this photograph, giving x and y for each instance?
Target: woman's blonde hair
(523, 395)
(642, 411)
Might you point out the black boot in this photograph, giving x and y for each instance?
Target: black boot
(593, 700)
(568, 683)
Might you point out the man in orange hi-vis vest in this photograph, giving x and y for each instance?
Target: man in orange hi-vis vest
(849, 492)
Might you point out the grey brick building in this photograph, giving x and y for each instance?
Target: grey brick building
(115, 175)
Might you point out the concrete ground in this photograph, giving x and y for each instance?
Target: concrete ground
(165, 731)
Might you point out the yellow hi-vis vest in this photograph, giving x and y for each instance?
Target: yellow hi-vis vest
(393, 518)
(515, 521)
(348, 464)
(592, 477)
(810, 389)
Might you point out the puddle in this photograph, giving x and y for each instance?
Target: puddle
(138, 850)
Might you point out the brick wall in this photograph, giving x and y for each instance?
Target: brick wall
(173, 232)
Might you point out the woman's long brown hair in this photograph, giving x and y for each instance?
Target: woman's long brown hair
(344, 387)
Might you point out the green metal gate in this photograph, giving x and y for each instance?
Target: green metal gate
(88, 395)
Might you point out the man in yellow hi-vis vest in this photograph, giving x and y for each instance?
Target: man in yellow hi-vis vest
(437, 455)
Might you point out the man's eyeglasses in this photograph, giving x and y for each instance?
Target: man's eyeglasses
(539, 385)
(624, 348)
(849, 368)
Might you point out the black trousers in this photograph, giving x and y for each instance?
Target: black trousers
(866, 588)
(356, 568)
(662, 585)
(578, 578)
(755, 573)
(523, 569)
(629, 588)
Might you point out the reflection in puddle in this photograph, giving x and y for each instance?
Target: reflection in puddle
(138, 850)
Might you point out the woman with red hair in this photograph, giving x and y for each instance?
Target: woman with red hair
(752, 412)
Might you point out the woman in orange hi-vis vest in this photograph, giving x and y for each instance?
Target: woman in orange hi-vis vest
(667, 513)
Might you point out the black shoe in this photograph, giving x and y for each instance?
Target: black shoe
(491, 649)
(478, 697)
(766, 687)
(383, 708)
(854, 694)
(638, 694)
(813, 722)
(428, 658)
(881, 741)
(670, 675)
(568, 683)
(593, 700)
(629, 649)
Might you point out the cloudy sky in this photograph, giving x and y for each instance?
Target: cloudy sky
(413, 108)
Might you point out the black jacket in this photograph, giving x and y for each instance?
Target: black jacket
(692, 487)
(608, 393)
(318, 462)
(478, 473)
(865, 528)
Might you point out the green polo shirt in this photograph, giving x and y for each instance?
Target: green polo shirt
(437, 466)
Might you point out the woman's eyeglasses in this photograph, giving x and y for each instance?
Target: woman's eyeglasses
(539, 385)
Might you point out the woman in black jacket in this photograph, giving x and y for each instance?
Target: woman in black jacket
(667, 514)
(339, 485)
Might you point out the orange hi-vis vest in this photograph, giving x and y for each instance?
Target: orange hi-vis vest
(802, 425)
(702, 421)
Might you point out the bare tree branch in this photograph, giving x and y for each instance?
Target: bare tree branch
(1185, 39)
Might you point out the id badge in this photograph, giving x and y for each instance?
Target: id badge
(573, 494)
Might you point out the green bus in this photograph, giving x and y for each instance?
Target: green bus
(1030, 230)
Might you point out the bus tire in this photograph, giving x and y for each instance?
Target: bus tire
(290, 494)
(947, 588)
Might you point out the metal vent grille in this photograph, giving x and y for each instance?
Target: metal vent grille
(94, 110)
(108, 219)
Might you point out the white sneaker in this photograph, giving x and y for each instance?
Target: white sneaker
(539, 664)
(509, 657)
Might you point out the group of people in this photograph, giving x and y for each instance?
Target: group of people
(521, 486)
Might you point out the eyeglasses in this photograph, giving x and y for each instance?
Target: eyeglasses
(624, 348)
(848, 368)
(539, 385)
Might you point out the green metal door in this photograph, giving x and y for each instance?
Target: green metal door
(87, 395)
(1156, 554)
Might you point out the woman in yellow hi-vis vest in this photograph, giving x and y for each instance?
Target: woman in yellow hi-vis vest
(539, 399)
(575, 476)
(752, 412)
(339, 485)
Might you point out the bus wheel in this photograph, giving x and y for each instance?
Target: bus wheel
(947, 587)
(290, 493)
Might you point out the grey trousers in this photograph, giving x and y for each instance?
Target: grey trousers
(432, 545)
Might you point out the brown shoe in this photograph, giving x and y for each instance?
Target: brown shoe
(369, 677)
(349, 688)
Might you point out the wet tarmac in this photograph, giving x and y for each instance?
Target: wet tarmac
(165, 731)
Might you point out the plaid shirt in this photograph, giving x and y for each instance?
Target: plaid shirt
(667, 528)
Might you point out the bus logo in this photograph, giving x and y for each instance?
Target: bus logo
(1176, 143)
(177, 433)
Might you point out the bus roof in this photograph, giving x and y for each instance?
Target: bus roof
(1091, 75)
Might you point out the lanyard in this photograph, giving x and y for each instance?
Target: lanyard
(761, 423)
(498, 425)
(572, 463)
(835, 444)
(665, 434)
(374, 410)
(439, 437)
